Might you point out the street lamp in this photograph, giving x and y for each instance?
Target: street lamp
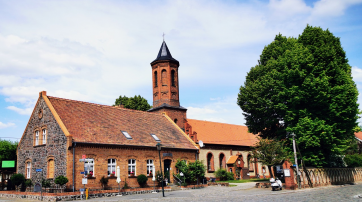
(182, 175)
(158, 146)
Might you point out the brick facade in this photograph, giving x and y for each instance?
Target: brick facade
(55, 147)
(177, 115)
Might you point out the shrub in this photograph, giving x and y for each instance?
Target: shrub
(104, 181)
(125, 184)
(17, 179)
(45, 183)
(230, 176)
(61, 180)
(28, 183)
(221, 174)
(353, 160)
(142, 180)
(184, 184)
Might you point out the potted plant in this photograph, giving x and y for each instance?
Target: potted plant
(112, 174)
(131, 174)
(90, 174)
(151, 175)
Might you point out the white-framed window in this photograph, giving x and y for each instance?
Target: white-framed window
(44, 136)
(149, 167)
(125, 133)
(28, 169)
(155, 137)
(36, 137)
(131, 166)
(111, 166)
(89, 166)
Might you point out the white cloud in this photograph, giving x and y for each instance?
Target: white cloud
(328, 8)
(26, 111)
(357, 74)
(6, 125)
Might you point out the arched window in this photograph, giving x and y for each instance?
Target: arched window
(250, 164)
(164, 77)
(50, 168)
(222, 160)
(131, 167)
(28, 169)
(44, 136)
(111, 166)
(36, 138)
(149, 167)
(210, 162)
(173, 79)
(175, 120)
(155, 75)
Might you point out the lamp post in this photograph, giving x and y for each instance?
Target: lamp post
(296, 161)
(158, 146)
(154, 179)
(182, 175)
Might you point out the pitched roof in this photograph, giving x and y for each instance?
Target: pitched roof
(102, 124)
(222, 133)
(358, 136)
(232, 160)
(164, 54)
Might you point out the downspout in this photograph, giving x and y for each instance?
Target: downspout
(74, 164)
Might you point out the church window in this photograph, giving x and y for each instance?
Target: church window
(173, 79)
(36, 137)
(126, 135)
(222, 160)
(44, 136)
(28, 169)
(50, 168)
(155, 137)
(89, 166)
(131, 167)
(155, 75)
(250, 164)
(164, 77)
(149, 167)
(111, 166)
(210, 162)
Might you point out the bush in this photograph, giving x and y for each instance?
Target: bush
(17, 179)
(45, 183)
(125, 184)
(353, 160)
(104, 181)
(221, 174)
(230, 176)
(28, 183)
(184, 184)
(61, 180)
(142, 180)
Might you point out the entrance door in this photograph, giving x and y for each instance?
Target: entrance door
(167, 166)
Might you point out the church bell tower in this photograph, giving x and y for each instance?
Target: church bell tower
(165, 85)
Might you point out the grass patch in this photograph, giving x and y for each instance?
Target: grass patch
(243, 181)
(232, 185)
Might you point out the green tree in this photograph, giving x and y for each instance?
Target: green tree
(142, 180)
(137, 102)
(61, 180)
(192, 171)
(303, 85)
(269, 152)
(17, 179)
(8, 150)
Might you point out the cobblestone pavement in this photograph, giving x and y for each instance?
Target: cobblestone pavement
(244, 193)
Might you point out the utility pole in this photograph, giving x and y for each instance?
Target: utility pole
(296, 161)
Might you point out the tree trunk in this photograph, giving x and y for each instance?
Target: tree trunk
(270, 171)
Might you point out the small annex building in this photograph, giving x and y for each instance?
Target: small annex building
(61, 131)
(225, 146)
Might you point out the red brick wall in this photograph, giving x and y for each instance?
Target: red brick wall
(180, 115)
(101, 155)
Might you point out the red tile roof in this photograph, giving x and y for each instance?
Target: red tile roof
(102, 124)
(358, 136)
(222, 133)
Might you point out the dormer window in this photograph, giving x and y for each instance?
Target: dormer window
(127, 135)
(155, 137)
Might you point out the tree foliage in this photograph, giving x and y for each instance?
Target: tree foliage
(224, 175)
(192, 171)
(142, 180)
(8, 150)
(269, 152)
(303, 85)
(353, 160)
(137, 102)
(17, 179)
(61, 180)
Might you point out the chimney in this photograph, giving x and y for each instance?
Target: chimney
(42, 93)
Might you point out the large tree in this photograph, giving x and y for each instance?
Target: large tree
(303, 85)
(8, 150)
(137, 102)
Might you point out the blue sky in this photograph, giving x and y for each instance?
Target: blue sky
(95, 51)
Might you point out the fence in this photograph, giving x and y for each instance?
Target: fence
(328, 176)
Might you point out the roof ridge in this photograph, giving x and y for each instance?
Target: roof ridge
(102, 105)
(217, 122)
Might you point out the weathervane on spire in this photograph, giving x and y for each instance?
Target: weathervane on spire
(163, 35)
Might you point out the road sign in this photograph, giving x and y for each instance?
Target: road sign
(81, 189)
(83, 156)
(82, 173)
(38, 170)
(84, 181)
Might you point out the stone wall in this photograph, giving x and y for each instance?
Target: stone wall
(55, 147)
